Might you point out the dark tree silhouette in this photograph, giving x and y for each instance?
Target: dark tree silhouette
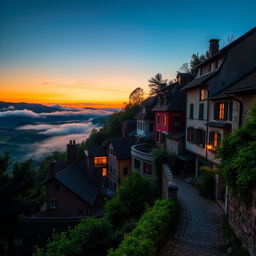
(136, 96)
(156, 83)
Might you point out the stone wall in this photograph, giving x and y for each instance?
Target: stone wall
(169, 187)
(243, 220)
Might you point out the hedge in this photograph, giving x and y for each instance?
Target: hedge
(151, 231)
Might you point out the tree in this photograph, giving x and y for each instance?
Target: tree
(136, 97)
(19, 194)
(197, 59)
(155, 83)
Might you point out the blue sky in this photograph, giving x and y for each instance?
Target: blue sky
(112, 44)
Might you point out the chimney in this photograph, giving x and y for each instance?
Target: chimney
(72, 152)
(213, 47)
(52, 169)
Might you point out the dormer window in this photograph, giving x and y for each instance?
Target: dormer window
(202, 94)
(144, 110)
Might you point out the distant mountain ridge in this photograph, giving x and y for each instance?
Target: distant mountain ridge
(37, 108)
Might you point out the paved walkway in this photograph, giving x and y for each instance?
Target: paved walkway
(199, 233)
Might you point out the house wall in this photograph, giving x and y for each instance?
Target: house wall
(145, 130)
(175, 146)
(125, 163)
(68, 204)
(243, 219)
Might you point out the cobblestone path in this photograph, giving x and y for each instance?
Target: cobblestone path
(199, 233)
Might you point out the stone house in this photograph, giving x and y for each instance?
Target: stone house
(216, 101)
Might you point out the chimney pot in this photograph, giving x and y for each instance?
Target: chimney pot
(213, 47)
(70, 142)
(74, 142)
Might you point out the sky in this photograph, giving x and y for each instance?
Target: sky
(96, 52)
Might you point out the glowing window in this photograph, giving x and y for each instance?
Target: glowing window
(221, 111)
(164, 120)
(100, 160)
(202, 94)
(215, 139)
(104, 171)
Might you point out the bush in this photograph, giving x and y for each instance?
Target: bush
(149, 234)
(238, 159)
(130, 201)
(205, 182)
(90, 237)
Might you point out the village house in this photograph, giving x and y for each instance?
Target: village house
(145, 120)
(119, 160)
(70, 192)
(218, 100)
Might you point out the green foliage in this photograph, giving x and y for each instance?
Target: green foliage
(90, 237)
(130, 201)
(238, 159)
(18, 194)
(205, 182)
(231, 240)
(112, 127)
(147, 237)
(160, 156)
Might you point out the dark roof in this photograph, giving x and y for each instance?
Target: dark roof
(219, 124)
(129, 122)
(246, 83)
(175, 99)
(229, 46)
(122, 147)
(175, 135)
(76, 180)
(96, 151)
(239, 59)
(200, 80)
(148, 104)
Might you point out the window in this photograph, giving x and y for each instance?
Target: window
(158, 136)
(125, 171)
(200, 137)
(221, 110)
(201, 111)
(164, 120)
(147, 168)
(162, 138)
(158, 118)
(214, 139)
(53, 204)
(136, 164)
(191, 111)
(202, 94)
(104, 172)
(176, 120)
(100, 160)
(190, 134)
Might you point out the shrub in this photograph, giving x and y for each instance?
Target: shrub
(90, 237)
(147, 237)
(130, 201)
(205, 182)
(238, 159)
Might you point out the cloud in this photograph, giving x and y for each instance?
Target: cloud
(8, 108)
(80, 112)
(60, 129)
(24, 113)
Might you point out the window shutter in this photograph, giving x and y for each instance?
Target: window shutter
(230, 111)
(216, 110)
(201, 111)
(191, 111)
(211, 138)
(225, 110)
(219, 139)
(188, 135)
(195, 136)
(203, 138)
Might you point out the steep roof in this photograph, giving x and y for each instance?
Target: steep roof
(148, 104)
(122, 147)
(238, 58)
(175, 99)
(96, 151)
(76, 180)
